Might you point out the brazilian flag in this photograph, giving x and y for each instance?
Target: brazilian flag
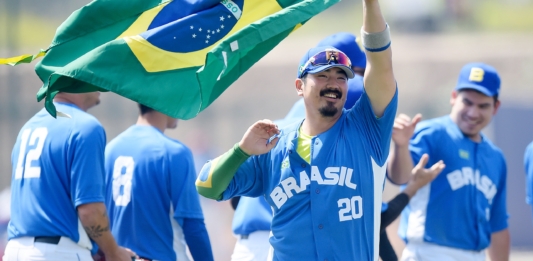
(175, 56)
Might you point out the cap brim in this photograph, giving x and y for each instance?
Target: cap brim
(349, 72)
(478, 88)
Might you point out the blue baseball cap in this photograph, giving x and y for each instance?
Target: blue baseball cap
(480, 77)
(326, 57)
(346, 42)
(355, 90)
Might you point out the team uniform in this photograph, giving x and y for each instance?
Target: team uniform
(251, 224)
(528, 163)
(468, 196)
(328, 209)
(57, 166)
(253, 216)
(151, 196)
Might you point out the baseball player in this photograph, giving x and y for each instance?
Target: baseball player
(57, 186)
(153, 205)
(528, 162)
(469, 195)
(253, 216)
(322, 176)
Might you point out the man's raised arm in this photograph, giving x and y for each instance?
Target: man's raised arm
(379, 81)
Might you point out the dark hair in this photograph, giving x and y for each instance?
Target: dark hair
(144, 109)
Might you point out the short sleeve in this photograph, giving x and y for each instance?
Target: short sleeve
(185, 199)
(377, 131)
(87, 163)
(498, 215)
(421, 143)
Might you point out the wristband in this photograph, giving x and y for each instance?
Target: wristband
(376, 42)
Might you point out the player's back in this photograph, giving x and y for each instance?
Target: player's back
(48, 182)
(139, 191)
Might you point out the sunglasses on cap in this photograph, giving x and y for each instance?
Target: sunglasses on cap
(327, 57)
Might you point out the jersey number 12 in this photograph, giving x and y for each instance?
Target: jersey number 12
(24, 167)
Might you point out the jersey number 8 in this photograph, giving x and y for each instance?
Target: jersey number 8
(36, 138)
(122, 175)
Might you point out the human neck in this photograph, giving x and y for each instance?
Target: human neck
(154, 119)
(70, 100)
(315, 124)
(474, 137)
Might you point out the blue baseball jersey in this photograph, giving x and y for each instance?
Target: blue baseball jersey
(149, 187)
(329, 209)
(58, 164)
(255, 214)
(528, 163)
(252, 214)
(468, 195)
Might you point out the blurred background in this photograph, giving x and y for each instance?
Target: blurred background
(432, 40)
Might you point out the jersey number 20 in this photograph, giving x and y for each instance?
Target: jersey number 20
(36, 138)
(350, 208)
(122, 175)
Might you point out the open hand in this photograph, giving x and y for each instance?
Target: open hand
(422, 176)
(255, 140)
(403, 129)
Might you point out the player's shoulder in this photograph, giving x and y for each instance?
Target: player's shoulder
(148, 137)
(78, 122)
(288, 132)
(175, 146)
(492, 147)
(117, 141)
(291, 126)
(433, 126)
(83, 121)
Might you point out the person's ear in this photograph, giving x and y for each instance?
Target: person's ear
(453, 98)
(300, 84)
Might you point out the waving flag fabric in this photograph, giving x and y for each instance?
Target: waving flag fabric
(174, 56)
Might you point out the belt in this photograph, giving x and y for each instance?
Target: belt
(48, 240)
(244, 236)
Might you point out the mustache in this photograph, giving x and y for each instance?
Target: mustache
(337, 92)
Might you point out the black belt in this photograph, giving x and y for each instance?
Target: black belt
(48, 240)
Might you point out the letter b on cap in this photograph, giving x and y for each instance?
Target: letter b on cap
(476, 74)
